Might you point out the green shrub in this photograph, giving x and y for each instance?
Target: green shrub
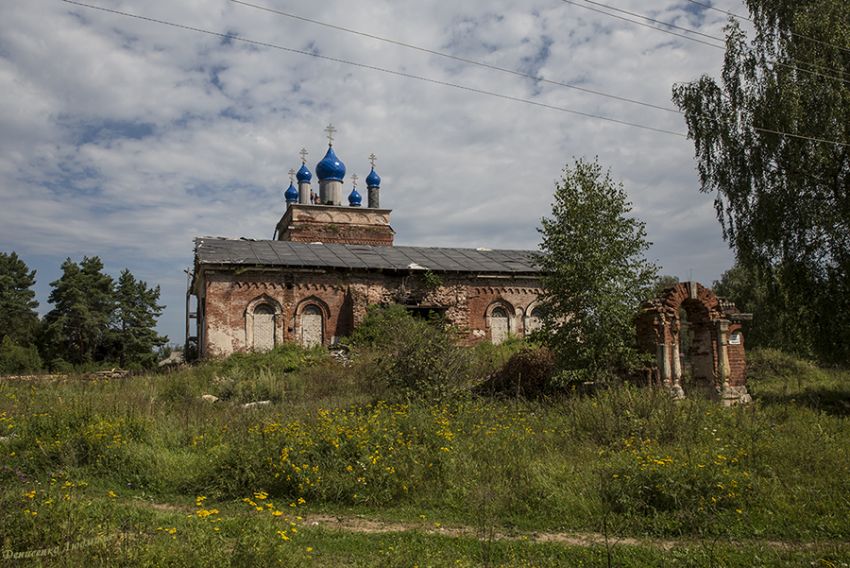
(488, 358)
(377, 330)
(527, 373)
(415, 359)
(285, 358)
(16, 359)
(772, 364)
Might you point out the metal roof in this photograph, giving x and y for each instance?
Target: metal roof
(246, 252)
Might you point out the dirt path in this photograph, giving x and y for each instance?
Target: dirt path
(364, 525)
(359, 524)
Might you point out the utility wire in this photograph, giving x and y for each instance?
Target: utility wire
(740, 17)
(723, 41)
(647, 18)
(231, 36)
(794, 67)
(479, 63)
(586, 7)
(455, 57)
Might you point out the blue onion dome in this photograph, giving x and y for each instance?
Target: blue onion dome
(291, 194)
(304, 174)
(354, 198)
(330, 168)
(373, 179)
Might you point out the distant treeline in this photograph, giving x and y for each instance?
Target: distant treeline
(95, 319)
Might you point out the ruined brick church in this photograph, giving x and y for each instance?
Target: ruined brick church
(328, 261)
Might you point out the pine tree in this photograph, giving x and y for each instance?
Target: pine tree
(595, 274)
(134, 322)
(18, 318)
(78, 325)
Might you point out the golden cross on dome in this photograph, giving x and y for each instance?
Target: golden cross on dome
(304, 154)
(354, 179)
(372, 159)
(292, 175)
(330, 130)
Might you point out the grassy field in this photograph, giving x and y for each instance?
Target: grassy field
(142, 471)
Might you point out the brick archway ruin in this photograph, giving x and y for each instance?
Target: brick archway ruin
(697, 343)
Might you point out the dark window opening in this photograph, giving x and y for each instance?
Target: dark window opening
(427, 313)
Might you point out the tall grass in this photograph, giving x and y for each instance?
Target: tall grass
(631, 460)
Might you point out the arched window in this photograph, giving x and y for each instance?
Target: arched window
(500, 325)
(263, 327)
(534, 321)
(312, 326)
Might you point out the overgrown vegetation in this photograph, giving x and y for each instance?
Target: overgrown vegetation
(412, 358)
(161, 476)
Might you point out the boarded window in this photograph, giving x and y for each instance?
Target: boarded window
(263, 328)
(312, 327)
(534, 321)
(499, 325)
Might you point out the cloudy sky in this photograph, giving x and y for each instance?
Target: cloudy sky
(126, 138)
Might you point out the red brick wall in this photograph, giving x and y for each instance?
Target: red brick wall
(339, 234)
(336, 225)
(344, 297)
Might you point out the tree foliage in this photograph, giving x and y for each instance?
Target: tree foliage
(18, 318)
(95, 320)
(784, 201)
(134, 321)
(596, 275)
(78, 326)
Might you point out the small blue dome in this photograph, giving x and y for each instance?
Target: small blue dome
(373, 179)
(304, 174)
(354, 198)
(291, 194)
(330, 168)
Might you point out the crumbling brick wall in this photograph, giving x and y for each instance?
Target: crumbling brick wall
(715, 362)
(343, 298)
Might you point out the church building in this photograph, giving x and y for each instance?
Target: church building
(328, 262)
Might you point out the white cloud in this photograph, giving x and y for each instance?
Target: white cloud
(126, 138)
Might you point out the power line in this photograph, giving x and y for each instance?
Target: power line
(721, 10)
(722, 40)
(799, 136)
(456, 58)
(230, 36)
(740, 17)
(668, 24)
(794, 67)
(642, 24)
(489, 66)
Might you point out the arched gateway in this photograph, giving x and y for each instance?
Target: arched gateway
(697, 335)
